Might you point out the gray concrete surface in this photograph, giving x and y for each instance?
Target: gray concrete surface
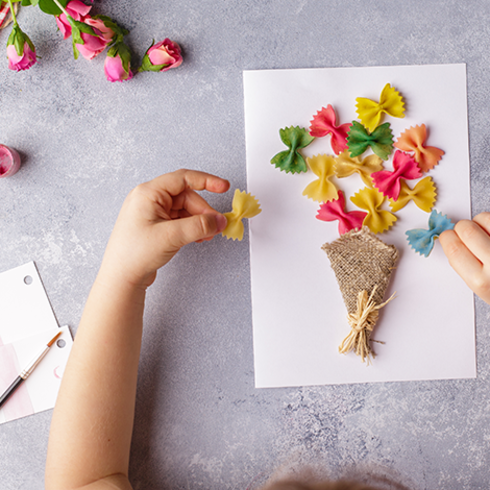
(200, 423)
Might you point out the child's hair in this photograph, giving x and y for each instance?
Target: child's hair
(337, 485)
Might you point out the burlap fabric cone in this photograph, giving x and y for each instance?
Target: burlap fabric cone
(363, 265)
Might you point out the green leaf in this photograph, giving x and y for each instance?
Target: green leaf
(49, 7)
(81, 27)
(76, 53)
(147, 66)
(26, 3)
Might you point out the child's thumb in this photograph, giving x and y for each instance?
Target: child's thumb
(187, 230)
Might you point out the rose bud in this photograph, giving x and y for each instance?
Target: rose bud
(21, 52)
(117, 63)
(162, 56)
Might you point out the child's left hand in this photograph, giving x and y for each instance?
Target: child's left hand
(157, 219)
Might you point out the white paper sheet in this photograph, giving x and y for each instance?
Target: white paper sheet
(299, 318)
(27, 323)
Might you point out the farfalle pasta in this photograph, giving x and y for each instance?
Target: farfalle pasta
(423, 194)
(244, 205)
(324, 123)
(413, 140)
(390, 102)
(335, 211)
(380, 140)
(362, 262)
(346, 166)
(321, 189)
(377, 219)
(295, 138)
(388, 182)
(422, 241)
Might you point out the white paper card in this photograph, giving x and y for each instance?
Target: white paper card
(299, 318)
(39, 391)
(27, 323)
(24, 306)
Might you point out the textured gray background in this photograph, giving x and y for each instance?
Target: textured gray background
(86, 142)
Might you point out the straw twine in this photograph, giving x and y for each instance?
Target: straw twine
(363, 265)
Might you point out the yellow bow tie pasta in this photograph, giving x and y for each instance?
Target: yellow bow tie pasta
(244, 205)
(370, 112)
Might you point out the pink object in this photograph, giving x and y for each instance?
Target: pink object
(100, 28)
(114, 70)
(76, 9)
(165, 52)
(94, 45)
(388, 183)
(19, 404)
(9, 162)
(22, 62)
(335, 210)
(325, 122)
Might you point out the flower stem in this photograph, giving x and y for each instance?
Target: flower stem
(12, 12)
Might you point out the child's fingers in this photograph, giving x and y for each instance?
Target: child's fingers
(191, 202)
(180, 232)
(483, 219)
(475, 238)
(460, 258)
(176, 182)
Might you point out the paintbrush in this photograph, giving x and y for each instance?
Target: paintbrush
(27, 371)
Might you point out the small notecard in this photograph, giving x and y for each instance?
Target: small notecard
(27, 323)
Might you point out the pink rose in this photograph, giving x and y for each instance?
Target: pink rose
(93, 45)
(162, 56)
(100, 29)
(117, 65)
(114, 70)
(76, 9)
(27, 57)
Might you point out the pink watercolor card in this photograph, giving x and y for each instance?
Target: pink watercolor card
(299, 317)
(27, 323)
(39, 391)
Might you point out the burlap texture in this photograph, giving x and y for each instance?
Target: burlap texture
(361, 261)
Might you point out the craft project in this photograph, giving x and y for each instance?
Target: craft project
(390, 102)
(346, 166)
(244, 205)
(363, 265)
(291, 160)
(422, 241)
(413, 140)
(335, 210)
(325, 122)
(423, 195)
(377, 220)
(404, 167)
(322, 189)
(380, 140)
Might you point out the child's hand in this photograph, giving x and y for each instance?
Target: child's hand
(157, 219)
(467, 248)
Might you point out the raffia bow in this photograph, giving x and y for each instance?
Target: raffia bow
(362, 323)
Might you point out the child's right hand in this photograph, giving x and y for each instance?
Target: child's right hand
(157, 219)
(467, 248)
